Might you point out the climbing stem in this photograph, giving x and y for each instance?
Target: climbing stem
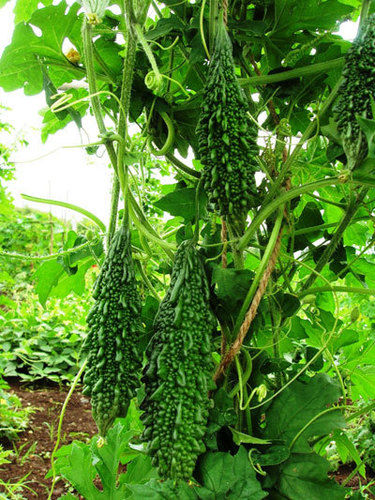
(114, 209)
(331, 247)
(64, 204)
(127, 82)
(293, 73)
(148, 51)
(364, 12)
(91, 78)
(342, 289)
(59, 427)
(287, 165)
(281, 200)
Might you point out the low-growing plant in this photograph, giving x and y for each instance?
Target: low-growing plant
(13, 417)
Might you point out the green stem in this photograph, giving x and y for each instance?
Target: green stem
(214, 12)
(59, 427)
(306, 135)
(324, 259)
(281, 200)
(364, 12)
(68, 66)
(52, 256)
(321, 227)
(127, 82)
(311, 421)
(342, 289)
(260, 271)
(114, 209)
(361, 412)
(147, 281)
(148, 51)
(91, 77)
(236, 252)
(80, 210)
(147, 230)
(293, 73)
(181, 166)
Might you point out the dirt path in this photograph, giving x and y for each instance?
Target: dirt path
(37, 442)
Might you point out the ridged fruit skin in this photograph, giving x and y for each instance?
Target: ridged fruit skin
(356, 91)
(179, 373)
(114, 327)
(227, 136)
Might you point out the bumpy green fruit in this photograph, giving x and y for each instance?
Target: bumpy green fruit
(356, 91)
(227, 136)
(113, 361)
(179, 374)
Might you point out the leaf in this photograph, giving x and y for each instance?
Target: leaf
(293, 15)
(20, 64)
(342, 441)
(149, 310)
(363, 380)
(240, 437)
(47, 276)
(164, 26)
(223, 476)
(305, 476)
(72, 283)
(274, 455)
(138, 471)
(166, 490)
(297, 405)
(107, 457)
(24, 9)
(232, 286)
(181, 202)
(77, 468)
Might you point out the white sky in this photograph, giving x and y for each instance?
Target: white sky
(67, 174)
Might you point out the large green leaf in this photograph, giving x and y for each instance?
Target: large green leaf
(305, 476)
(224, 476)
(20, 65)
(294, 15)
(181, 202)
(47, 276)
(298, 406)
(166, 490)
(25, 8)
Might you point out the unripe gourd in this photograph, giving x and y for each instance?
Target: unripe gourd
(227, 136)
(179, 373)
(114, 327)
(356, 92)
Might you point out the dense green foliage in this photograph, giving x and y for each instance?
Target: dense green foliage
(227, 136)
(180, 368)
(356, 93)
(113, 360)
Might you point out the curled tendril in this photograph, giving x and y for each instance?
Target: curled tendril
(154, 81)
(170, 138)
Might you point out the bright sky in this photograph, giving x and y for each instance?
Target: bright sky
(68, 174)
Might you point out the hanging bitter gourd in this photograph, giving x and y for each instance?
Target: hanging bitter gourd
(114, 326)
(356, 92)
(179, 374)
(227, 136)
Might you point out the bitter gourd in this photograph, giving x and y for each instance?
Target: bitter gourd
(179, 374)
(227, 144)
(114, 326)
(356, 91)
